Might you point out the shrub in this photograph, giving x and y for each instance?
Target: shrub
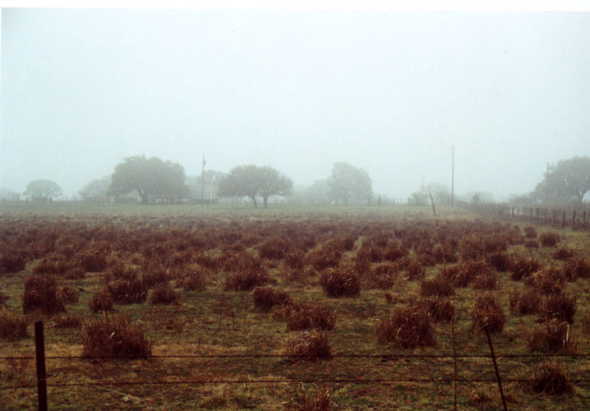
(74, 273)
(163, 294)
(41, 294)
(273, 248)
(101, 301)
(310, 346)
(487, 314)
(267, 297)
(246, 280)
(525, 302)
(340, 283)
(549, 239)
(550, 337)
(114, 336)
(12, 325)
(531, 244)
(68, 294)
(309, 316)
(575, 268)
(438, 286)
(407, 327)
(155, 276)
(132, 291)
(323, 257)
(559, 306)
(563, 253)
(439, 309)
(549, 378)
(67, 321)
(294, 259)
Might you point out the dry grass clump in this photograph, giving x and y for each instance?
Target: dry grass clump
(132, 291)
(549, 280)
(194, 278)
(267, 297)
(414, 269)
(485, 281)
(500, 261)
(245, 280)
(12, 325)
(407, 327)
(471, 247)
(563, 253)
(68, 294)
(522, 267)
(575, 268)
(93, 262)
(394, 252)
(531, 244)
(295, 259)
(559, 306)
(273, 248)
(530, 232)
(67, 321)
(549, 378)
(441, 310)
(11, 263)
(114, 337)
(340, 283)
(309, 346)
(319, 401)
(549, 239)
(551, 337)
(163, 294)
(525, 302)
(41, 294)
(439, 286)
(101, 301)
(155, 276)
(307, 316)
(487, 314)
(323, 257)
(381, 277)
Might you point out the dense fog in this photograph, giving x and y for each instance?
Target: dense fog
(389, 93)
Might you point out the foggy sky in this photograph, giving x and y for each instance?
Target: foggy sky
(388, 92)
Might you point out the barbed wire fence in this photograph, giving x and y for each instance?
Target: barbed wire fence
(481, 374)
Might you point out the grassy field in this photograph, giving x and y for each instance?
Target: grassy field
(392, 253)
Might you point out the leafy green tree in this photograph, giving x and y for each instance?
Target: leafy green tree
(349, 184)
(43, 190)
(254, 181)
(566, 181)
(96, 190)
(152, 179)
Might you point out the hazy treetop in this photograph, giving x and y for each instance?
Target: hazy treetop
(386, 92)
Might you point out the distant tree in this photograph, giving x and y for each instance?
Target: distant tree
(566, 181)
(440, 193)
(418, 198)
(96, 190)
(43, 190)
(8, 195)
(349, 184)
(152, 179)
(253, 181)
(521, 199)
(318, 192)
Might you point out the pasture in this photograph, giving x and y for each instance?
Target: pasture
(291, 308)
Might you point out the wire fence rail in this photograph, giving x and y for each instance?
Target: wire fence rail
(43, 382)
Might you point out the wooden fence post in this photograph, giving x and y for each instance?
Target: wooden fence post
(40, 361)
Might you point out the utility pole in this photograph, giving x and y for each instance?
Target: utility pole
(453, 175)
(203, 180)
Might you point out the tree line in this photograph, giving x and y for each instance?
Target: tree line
(153, 180)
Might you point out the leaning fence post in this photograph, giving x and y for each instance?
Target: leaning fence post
(40, 361)
(496, 368)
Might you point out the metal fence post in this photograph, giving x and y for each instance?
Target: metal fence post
(40, 361)
(496, 369)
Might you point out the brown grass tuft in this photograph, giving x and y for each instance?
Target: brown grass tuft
(13, 326)
(551, 337)
(309, 346)
(407, 327)
(549, 239)
(267, 297)
(487, 314)
(439, 286)
(101, 301)
(340, 283)
(41, 294)
(549, 378)
(246, 280)
(525, 302)
(163, 294)
(114, 337)
(559, 306)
